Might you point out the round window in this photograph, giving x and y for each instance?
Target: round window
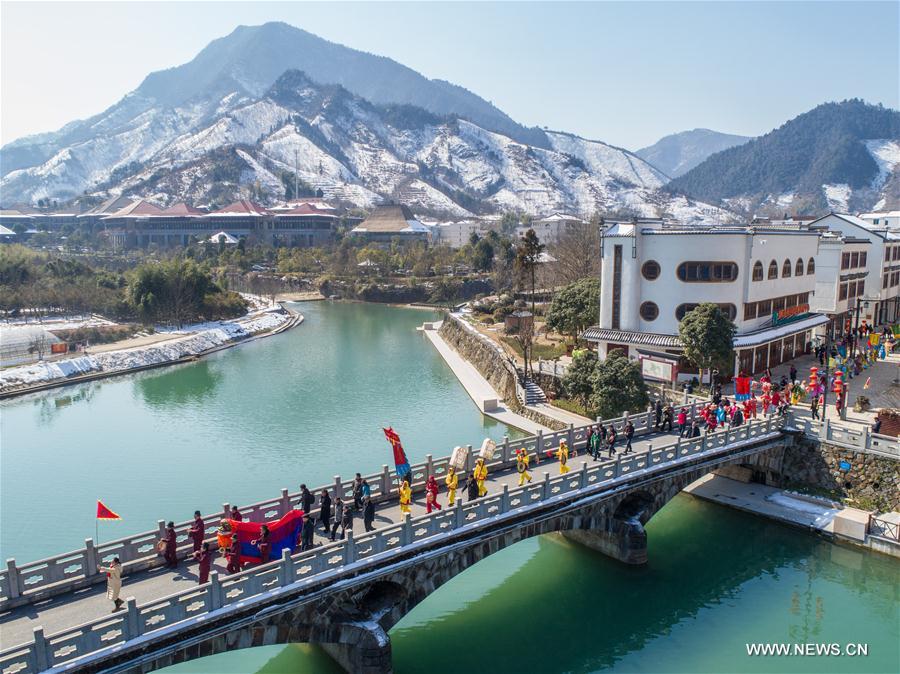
(650, 270)
(649, 311)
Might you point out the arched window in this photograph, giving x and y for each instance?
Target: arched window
(682, 309)
(810, 267)
(650, 270)
(786, 269)
(757, 271)
(773, 270)
(798, 268)
(649, 311)
(707, 272)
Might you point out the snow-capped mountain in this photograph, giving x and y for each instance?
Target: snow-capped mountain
(355, 151)
(678, 153)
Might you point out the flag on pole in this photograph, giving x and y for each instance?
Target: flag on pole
(400, 460)
(868, 383)
(104, 513)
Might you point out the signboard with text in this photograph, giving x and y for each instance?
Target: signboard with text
(659, 370)
(789, 314)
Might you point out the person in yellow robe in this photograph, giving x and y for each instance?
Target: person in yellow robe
(522, 466)
(452, 482)
(563, 455)
(405, 497)
(480, 474)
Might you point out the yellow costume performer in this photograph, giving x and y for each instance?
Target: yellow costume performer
(563, 455)
(480, 475)
(452, 483)
(522, 466)
(405, 497)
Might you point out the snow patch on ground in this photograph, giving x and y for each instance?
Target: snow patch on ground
(837, 195)
(886, 153)
(205, 336)
(822, 513)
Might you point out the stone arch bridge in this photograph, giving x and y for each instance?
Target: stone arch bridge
(347, 602)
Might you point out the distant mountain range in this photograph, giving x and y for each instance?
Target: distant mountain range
(240, 117)
(678, 153)
(839, 156)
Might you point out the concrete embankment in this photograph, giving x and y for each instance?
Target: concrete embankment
(192, 346)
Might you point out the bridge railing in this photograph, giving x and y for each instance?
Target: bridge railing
(35, 581)
(82, 640)
(853, 436)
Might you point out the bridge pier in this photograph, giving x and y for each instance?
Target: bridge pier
(624, 540)
(363, 648)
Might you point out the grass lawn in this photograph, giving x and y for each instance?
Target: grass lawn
(538, 351)
(571, 406)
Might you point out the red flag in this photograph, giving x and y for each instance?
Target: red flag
(104, 513)
(400, 461)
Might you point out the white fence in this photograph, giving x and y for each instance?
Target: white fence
(368, 549)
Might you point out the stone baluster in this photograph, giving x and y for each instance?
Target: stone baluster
(618, 470)
(132, 619)
(429, 466)
(350, 548)
(337, 486)
(385, 480)
(161, 525)
(13, 579)
(42, 655)
(582, 483)
(470, 459)
(226, 511)
(570, 437)
(285, 502)
(545, 494)
(91, 558)
(504, 499)
(216, 595)
(539, 443)
(458, 519)
(406, 530)
(504, 450)
(286, 572)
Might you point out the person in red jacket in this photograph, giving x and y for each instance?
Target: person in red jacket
(431, 494)
(262, 543)
(204, 556)
(234, 555)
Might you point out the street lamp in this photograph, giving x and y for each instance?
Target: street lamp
(860, 303)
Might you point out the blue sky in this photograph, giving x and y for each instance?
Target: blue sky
(625, 73)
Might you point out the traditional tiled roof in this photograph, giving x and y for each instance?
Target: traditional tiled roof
(137, 208)
(598, 334)
(241, 207)
(305, 209)
(181, 208)
(111, 205)
(391, 219)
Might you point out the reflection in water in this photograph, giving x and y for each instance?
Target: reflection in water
(50, 406)
(181, 385)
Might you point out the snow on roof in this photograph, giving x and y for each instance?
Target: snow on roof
(303, 209)
(768, 334)
(223, 237)
(241, 207)
(6, 231)
(880, 214)
(620, 229)
(561, 217)
(15, 213)
(111, 205)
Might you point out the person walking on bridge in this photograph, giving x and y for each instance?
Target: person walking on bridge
(234, 555)
(307, 533)
(431, 494)
(657, 411)
(338, 515)
(682, 422)
(668, 413)
(405, 497)
(306, 499)
(263, 545)
(563, 455)
(325, 510)
(235, 514)
(611, 440)
(452, 482)
(629, 434)
(480, 474)
(196, 531)
(471, 488)
(357, 493)
(368, 513)
(204, 556)
(522, 466)
(170, 543)
(113, 582)
(594, 442)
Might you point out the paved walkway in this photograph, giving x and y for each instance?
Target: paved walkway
(479, 389)
(73, 609)
(560, 414)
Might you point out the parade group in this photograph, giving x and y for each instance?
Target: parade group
(752, 398)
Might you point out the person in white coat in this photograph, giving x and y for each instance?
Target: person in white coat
(113, 582)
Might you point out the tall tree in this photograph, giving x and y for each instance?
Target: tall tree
(528, 254)
(575, 307)
(707, 335)
(618, 387)
(577, 252)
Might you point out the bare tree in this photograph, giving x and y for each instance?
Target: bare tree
(577, 253)
(38, 345)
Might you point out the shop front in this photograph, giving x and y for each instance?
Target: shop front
(755, 352)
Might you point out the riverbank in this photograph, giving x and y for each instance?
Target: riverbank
(479, 389)
(202, 340)
(818, 515)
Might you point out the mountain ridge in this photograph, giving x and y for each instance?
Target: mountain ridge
(677, 153)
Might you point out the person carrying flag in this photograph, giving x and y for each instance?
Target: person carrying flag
(113, 582)
(405, 497)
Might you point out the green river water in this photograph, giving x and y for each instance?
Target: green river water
(309, 404)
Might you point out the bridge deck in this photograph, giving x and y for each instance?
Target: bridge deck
(80, 606)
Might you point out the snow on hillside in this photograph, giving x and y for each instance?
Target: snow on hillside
(838, 196)
(886, 153)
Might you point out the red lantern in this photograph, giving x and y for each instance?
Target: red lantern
(813, 376)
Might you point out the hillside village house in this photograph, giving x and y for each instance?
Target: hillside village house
(654, 273)
(549, 229)
(456, 234)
